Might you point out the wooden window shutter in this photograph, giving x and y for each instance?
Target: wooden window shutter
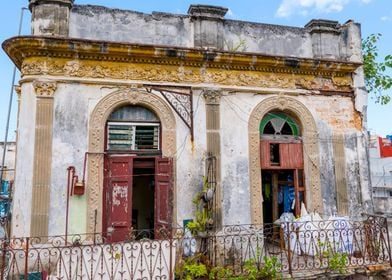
(119, 198)
(265, 154)
(163, 196)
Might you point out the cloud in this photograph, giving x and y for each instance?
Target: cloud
(385, 18)
(290, 7)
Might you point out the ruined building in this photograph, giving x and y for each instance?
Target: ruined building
(146, 107)
(380, 154)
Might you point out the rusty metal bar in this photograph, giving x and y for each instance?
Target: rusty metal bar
(26, 268)
(289, 249)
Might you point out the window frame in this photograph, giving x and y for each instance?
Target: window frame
(134, 124)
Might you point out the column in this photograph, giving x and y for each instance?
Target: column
(44, 91)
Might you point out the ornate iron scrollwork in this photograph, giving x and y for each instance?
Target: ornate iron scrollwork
(181, 102)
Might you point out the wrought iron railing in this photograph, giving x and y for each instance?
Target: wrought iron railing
(299, 246)
(295, 246)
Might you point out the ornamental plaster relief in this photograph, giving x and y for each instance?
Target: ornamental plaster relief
(268, 77)
(96, 141)
(212, 96)
(44, 88)
(310, 146)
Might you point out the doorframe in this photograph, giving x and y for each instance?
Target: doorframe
(294, 107)
(96, 147)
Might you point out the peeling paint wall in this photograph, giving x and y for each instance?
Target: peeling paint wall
(21, 205)
(101, 23)
(106, 24)
(70, 134)
(75, 101)
(266, 38)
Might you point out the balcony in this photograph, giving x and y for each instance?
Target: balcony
(293, 249)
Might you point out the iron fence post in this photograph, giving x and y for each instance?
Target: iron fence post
(171, 257)
(289, 248)
(26, 268)
(388, 241)
(3, 265)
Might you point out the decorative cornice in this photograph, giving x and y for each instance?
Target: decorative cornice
(161, 73)
(33, 3)
(23, 48)
(44, 89)
(212, 96)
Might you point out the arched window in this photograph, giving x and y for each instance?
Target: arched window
(277, 123)
(133, 128)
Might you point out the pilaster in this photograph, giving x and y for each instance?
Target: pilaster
(340, 174)
(212, 99)
(44, 91)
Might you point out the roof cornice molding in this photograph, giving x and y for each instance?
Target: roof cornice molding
(21, 48)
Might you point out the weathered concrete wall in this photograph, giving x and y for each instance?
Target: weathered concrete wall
(267, 38)
(101, 23)
(70, 135)
(191, 159)
(21, 206)
(236, 109)
(74, 102)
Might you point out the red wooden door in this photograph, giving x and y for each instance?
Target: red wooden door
(118, 204)
(163, 196)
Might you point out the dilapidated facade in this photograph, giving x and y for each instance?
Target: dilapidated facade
(138, 104)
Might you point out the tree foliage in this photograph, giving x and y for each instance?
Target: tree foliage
(377, 80)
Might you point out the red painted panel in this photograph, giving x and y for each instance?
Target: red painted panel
(119, 203)
(118, 197)
(385, 147)
(163, 194)
(291, 155)
(265, 154)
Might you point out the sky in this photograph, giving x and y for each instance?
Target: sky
(375, 16)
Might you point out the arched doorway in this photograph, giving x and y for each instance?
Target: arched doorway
(282, 165)
(308, 132)
(137, 179)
